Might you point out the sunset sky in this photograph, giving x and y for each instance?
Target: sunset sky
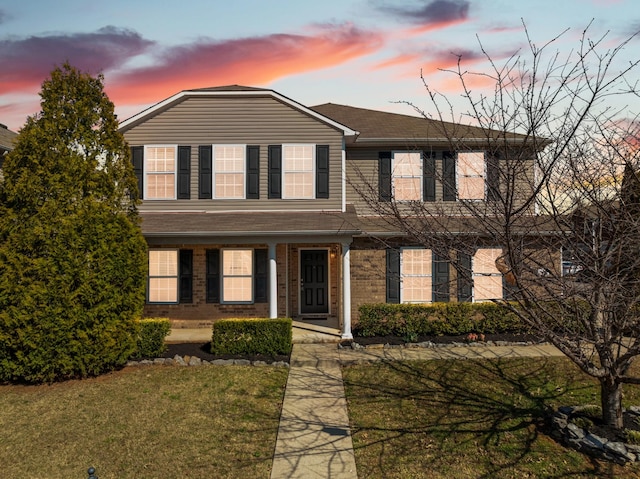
(365, 53)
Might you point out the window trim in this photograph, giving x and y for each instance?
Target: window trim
(251, 276)
(459, 176)
(420, 177)
(176, 276)
(147, 172)
(429, 274)
(214, 172)
(284, 171)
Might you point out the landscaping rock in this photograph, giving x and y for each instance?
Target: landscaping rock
(563, 430)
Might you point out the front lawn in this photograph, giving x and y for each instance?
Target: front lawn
(469, 419)
(157, 421)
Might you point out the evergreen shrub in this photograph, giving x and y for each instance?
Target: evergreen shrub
(435, 319)
(252, 336)
(151, 337)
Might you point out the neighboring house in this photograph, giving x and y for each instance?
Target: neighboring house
(6, 142)
(247, 209)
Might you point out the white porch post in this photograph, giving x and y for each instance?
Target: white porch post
(346, 292)
(273, 282)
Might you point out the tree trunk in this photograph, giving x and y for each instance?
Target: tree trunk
(611, 400)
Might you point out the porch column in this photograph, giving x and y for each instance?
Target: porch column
(273, 282)
(346, 292)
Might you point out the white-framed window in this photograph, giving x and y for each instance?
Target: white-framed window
(471, 175)
(298, 171)
(487, 279)
(416, 282)
(163, 276)
(406, 175)
(229, 171)
(160, 172)
(237, 275)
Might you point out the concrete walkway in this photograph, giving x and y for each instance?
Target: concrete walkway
(314, 439)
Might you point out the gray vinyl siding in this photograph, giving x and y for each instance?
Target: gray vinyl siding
(362, 178)
(261, 121)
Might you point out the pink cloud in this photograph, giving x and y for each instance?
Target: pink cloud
(31, 59)
(251, 61)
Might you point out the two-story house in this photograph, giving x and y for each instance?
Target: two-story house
(7, 138)
(251, 207)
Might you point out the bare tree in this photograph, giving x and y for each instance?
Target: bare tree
(552, 185)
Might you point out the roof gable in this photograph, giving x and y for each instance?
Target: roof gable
(230, 91)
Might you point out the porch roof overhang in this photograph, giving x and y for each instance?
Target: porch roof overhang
(249, 227)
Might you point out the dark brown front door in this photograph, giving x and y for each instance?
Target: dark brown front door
(314, 287)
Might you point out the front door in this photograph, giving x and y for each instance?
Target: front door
(314, 279)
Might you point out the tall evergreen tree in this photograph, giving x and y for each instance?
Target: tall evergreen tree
(72, 255)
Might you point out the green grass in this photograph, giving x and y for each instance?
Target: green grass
(469, 419)
(156, 422)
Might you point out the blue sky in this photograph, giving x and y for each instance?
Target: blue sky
(366, 53)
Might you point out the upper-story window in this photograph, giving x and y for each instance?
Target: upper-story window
(406, 171)
(229, 171)
(298, 167)
(298, 171)
(160, 172)
(471, 175)
(437, 176)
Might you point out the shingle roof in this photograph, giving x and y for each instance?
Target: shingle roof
(6, 138)
(376, 125)
(250, 224)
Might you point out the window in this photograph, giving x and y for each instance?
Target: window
(170, 276)
(163, 276)
(160, 172)
(229, 171)
(298, 171)
(471, 174)
(487, 280)
(406, 170)
(416, 275)
(237, 275)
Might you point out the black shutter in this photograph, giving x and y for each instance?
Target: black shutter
(137, 158)
(384, 176)
(429, 176)
(205, 172)
(440, 279)
(493, 177)
(465, 280)
(184, 172)
(448, 176)
(322, 171)
(213, 275)
(186, 276)
(253, 172)
(393, 276)
(260, 276)
(275, 171)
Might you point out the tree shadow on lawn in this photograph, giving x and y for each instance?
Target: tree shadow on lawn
(476, 417)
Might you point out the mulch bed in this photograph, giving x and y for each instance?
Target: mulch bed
(395, 340)
(203, 351)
